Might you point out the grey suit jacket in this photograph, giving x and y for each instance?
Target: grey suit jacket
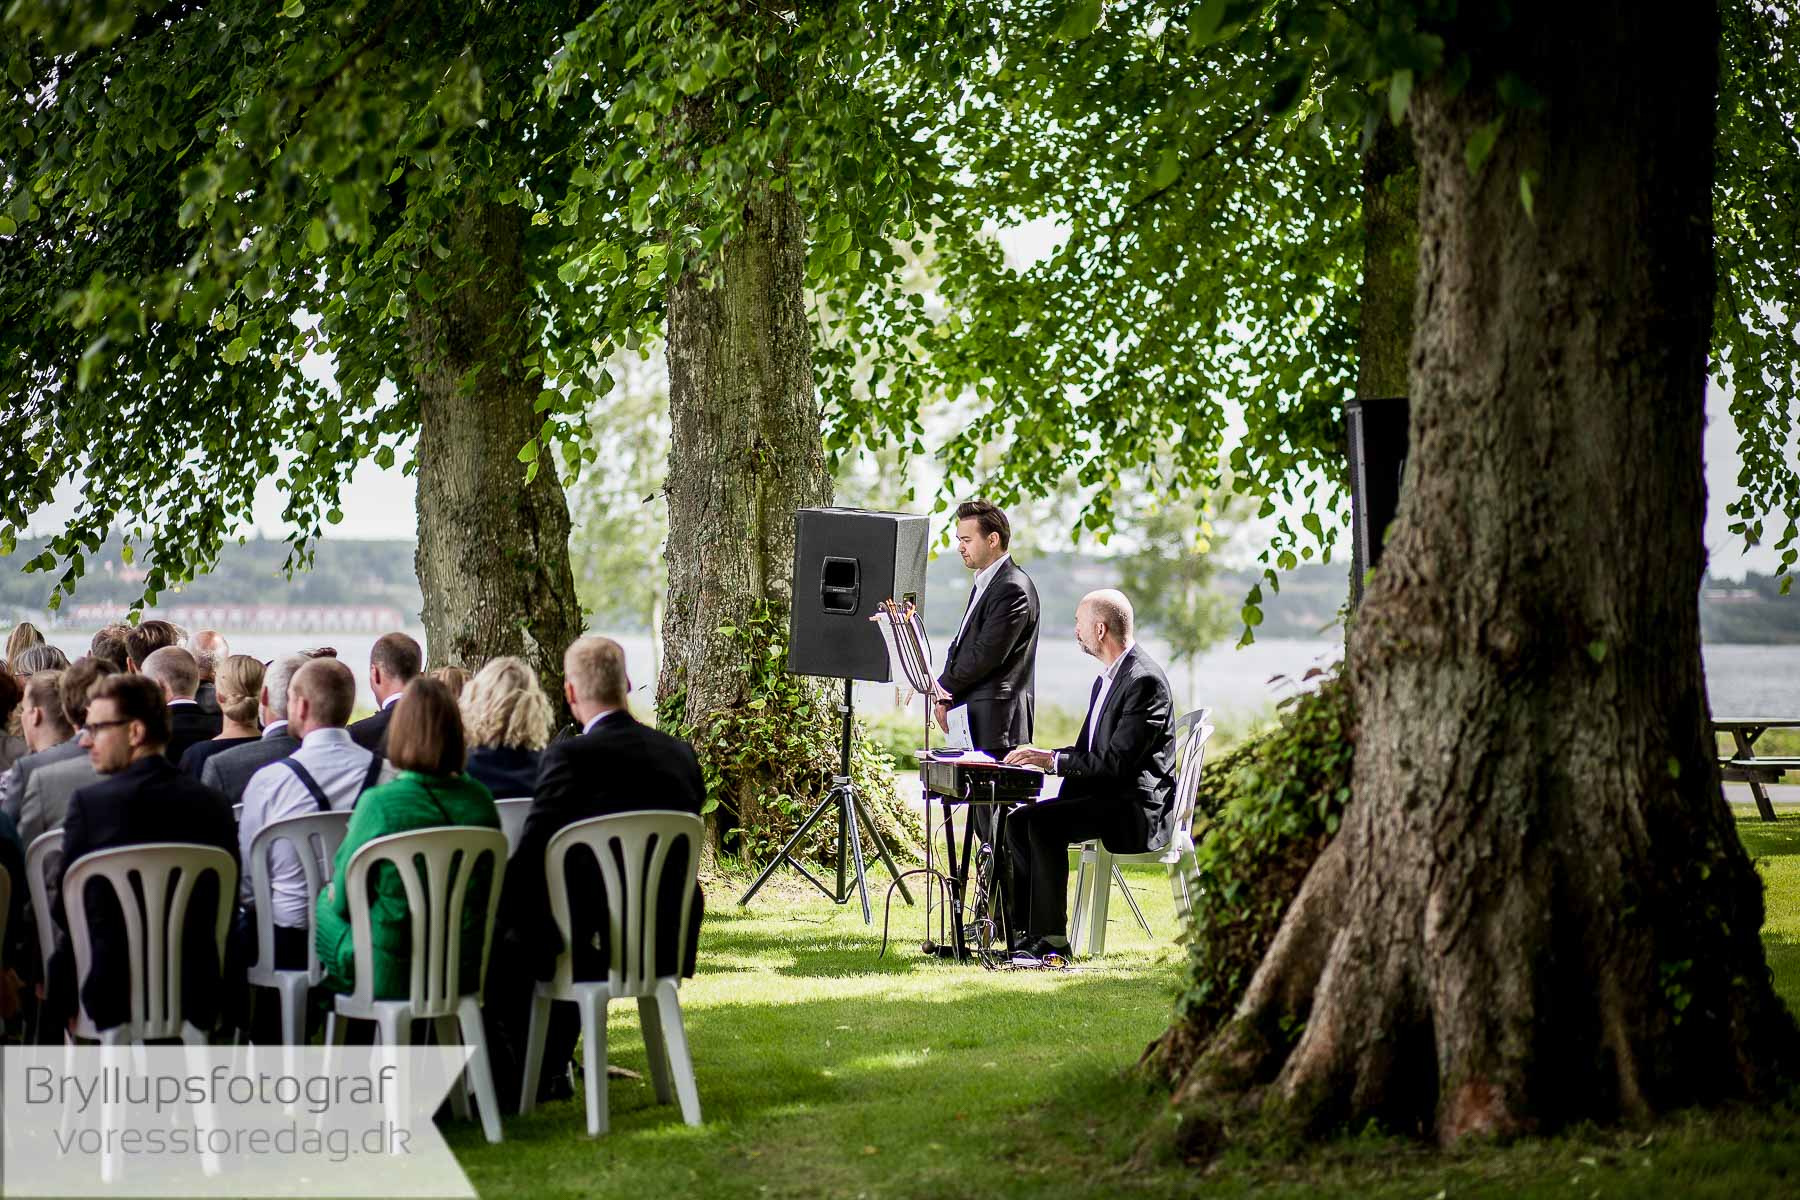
(12, 784)
(229, 772)
(47, 795)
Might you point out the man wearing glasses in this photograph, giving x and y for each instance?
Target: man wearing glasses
(142, 797)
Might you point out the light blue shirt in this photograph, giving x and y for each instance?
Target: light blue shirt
(340, 766)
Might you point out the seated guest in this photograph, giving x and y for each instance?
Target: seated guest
(327, 772)
(147, 639)
(23, 636)
(615, 766)
(229, 771)
(49, 789)
(12, 742)
(174, 671)
(507, 717)
(42, 657)
(425, 744)
(142, 798)
(47, 733)
(109, 644)
(239, 689)
(454, 678)
(394, 662)
(1118, 778)
(209, 649)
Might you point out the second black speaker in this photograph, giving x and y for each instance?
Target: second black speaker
(847, 561)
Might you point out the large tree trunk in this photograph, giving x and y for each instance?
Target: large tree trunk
(1390, 225)
(493, 555)
(745, 451)
(1537, 910)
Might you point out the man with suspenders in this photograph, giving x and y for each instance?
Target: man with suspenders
(328, 771)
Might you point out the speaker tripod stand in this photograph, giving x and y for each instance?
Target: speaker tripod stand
(853, 816)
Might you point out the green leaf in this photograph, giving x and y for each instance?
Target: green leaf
(1205, 25)
(317, 236)
(1168, 169)
(1400, 88)
(1080, 20)
(1526, 179)
(1597, 651)
(528, 453)
(1481, 144)
(7, 225)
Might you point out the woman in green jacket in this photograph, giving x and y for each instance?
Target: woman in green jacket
(425, 741)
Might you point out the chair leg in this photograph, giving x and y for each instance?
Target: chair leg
(480, 1073)
(1081, 902)
(535, 1033)
(681, 1062)
(194, 1046)
(443, 1029)
(110, 1059)
(1130, 899)
(593, 1062)
(656, 1049)
(1101, 901)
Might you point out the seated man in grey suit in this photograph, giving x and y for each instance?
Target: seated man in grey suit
(229, 772)
(48, 734)
(48, 789)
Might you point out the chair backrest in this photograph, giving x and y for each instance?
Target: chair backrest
(165, 874)
(44, 849)
(641, 843)
(435, 867)
(1186, 721)
(1192, 756)
(512, 820)
(314, 838)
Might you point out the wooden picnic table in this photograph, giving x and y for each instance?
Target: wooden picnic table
(1744, 766)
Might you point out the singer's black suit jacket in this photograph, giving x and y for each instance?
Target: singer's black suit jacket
(1132, 764)
(992, 664)
(149, 801)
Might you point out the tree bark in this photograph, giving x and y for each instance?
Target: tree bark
(493, 555)
(745, 451)
(1390, 225)
(1537, 910)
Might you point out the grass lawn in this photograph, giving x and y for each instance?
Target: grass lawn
(825, 1071)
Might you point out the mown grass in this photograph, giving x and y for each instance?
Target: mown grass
(825, 1071)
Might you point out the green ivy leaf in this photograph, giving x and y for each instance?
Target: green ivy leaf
(1400, 88)
(1481, 144)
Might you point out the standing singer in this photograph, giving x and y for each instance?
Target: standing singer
(991, 665)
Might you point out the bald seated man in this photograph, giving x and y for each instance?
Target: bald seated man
(1118, 778)
(174, 671)
(209, 648)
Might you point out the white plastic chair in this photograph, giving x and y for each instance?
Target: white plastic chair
(643, 842)
(513, 812)
(314, 838)
(434, 901)
(166, 872)
(1099, 865)
(45, 849)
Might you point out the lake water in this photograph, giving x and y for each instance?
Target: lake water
(1239, 685)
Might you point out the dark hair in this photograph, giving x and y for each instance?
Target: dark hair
(989, 517)
(78, 681)
(10, 694)
(109, 644)
(397, 655)
(426, 734)
(138, 699)
(147, 639)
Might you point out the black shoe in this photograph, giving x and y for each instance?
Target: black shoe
(1042, 952)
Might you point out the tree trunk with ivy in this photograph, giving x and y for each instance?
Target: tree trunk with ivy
(744, 453)
(493, 553)
(1537, 910)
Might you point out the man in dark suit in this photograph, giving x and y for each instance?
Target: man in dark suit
(615, 765)
(141, 798)
(991, 664)
(229, 771)
(394, 662)
(174, 671)
(1118, 777)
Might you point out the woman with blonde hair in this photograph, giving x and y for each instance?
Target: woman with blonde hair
(508, 719)
(237, 682)
(454, 678)
(23, 636)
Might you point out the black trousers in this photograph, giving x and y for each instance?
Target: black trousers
(1038, 838)
(240, 956)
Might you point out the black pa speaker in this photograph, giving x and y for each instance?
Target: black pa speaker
(847, 561)
(1378, 444)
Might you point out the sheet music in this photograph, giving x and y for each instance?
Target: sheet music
(958, 735)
